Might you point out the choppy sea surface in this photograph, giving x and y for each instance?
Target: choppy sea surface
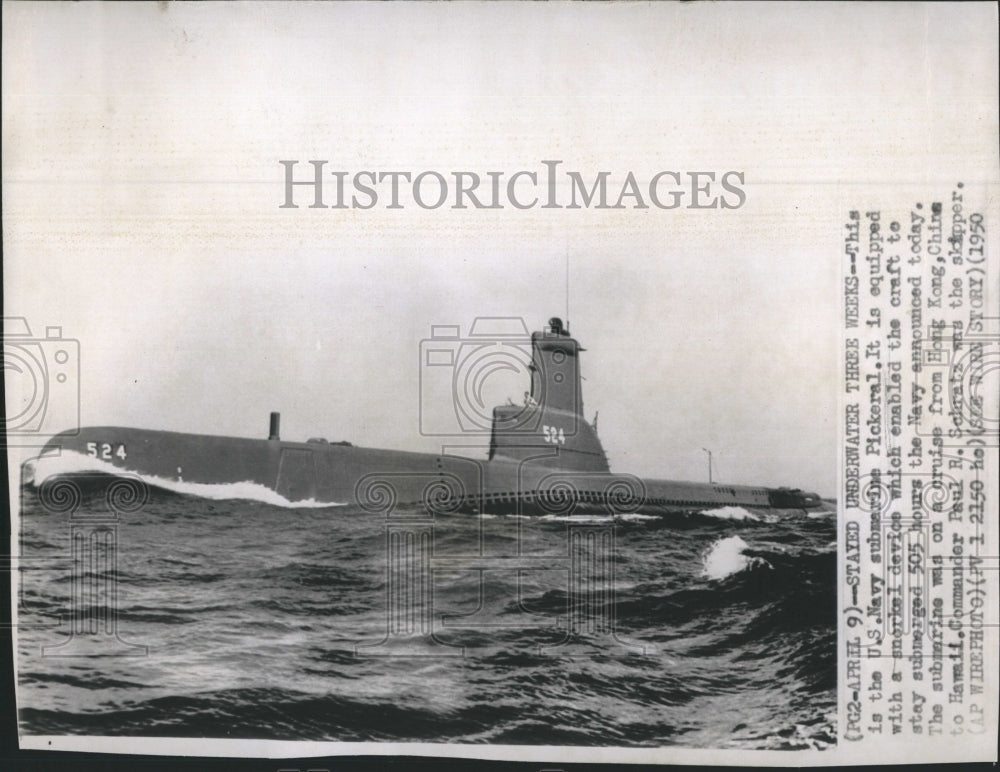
(208, 612)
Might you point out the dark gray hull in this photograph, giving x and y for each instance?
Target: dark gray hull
(544, 457)
(371, 478)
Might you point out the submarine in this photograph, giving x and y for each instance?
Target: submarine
(544, 458)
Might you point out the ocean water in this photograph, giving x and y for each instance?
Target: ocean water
(206, 612)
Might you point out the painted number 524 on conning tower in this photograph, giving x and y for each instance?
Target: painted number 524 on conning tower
(554, 435)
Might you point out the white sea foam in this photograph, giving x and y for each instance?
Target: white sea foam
(69, 462)
(627, 516)
(730, 513)
(821, 513)
(725, 558)
(579, 518)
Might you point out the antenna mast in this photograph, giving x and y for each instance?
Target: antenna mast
(567, 290)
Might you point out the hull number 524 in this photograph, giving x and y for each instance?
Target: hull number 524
(105, 450)
(553, 435)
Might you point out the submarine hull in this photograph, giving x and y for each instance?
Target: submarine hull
(544, 458)
(378, 480)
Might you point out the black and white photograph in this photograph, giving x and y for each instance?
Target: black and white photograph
(424, 379)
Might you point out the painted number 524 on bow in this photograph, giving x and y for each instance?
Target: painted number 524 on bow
(104, 450)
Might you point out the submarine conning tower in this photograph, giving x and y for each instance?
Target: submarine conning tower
(549, 428)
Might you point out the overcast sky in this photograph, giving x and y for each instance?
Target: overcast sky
(142, 187)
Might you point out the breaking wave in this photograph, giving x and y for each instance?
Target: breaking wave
(727, 557)
(71, 463)
(730, 513)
